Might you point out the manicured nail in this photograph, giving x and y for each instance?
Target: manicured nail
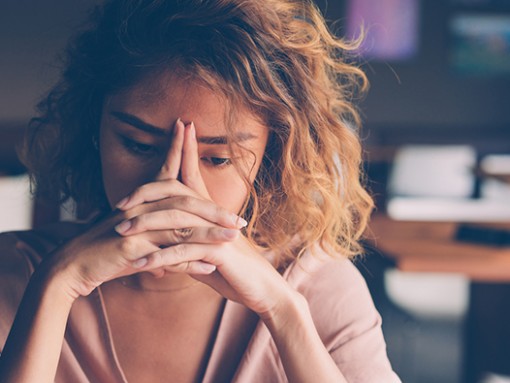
(122, 203)
(230, 233)
(178, 124)
(139, 263)
(192, 130)
(124, 226)
(207, 268)
(238, 221)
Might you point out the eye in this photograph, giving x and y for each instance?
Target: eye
(217, 162)
(139, 148)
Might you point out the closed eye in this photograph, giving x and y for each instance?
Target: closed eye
(139, 148)
(217, 162)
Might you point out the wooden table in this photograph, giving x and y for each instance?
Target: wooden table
(431, 247)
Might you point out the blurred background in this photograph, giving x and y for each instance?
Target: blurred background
(437, 147)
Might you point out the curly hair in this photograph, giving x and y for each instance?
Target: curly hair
(276, 57)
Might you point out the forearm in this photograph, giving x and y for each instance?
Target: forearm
(34, 344)
(304, 356)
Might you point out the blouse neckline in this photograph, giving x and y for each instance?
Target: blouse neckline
(236, 325)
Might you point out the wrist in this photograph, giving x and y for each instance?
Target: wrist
(291, 307)
(56, 281)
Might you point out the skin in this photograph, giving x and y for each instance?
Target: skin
(157, 193)
(142, 142)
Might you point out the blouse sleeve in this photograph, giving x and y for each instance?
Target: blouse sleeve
(346, 319)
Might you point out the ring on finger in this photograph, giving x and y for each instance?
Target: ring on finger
(183, 233)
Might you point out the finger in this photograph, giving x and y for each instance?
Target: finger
(202, 235)
(166, 214)
(155, 191)
(218, 283)
(189, 267)
(179, 256)
(160, 220)
(171, 166)
(190, 164)
(193, 268)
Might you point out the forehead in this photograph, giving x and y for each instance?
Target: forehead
(161, 99)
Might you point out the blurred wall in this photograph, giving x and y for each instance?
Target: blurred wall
(423, 98)
(32, 33)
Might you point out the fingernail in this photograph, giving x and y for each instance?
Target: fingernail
(238, 221)
(122, 202)
(124, 226)
(178, 123)
(230, 233)
(207, 268)
(192, 130)
(139, 263)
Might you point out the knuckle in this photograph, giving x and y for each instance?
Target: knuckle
(188, 202)
(184, 267)
(138, 223)
(135, 211)
(128, 245)
(157, 258)
(220, 212)
(187, 266)
(180, 253)
(143, 221)
(214, 233)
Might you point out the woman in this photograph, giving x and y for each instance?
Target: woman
(212, 139)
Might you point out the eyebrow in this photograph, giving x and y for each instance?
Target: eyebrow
(223, 140)
(155, 130)
(139, 124)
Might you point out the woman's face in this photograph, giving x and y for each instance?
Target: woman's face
(136, 134)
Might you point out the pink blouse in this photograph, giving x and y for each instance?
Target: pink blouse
(243, 350)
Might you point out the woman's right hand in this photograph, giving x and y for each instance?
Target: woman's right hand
(101, 254)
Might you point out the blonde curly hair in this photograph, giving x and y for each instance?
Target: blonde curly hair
(275, 57)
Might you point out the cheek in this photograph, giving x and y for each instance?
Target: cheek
(227, 187)
(118, 184)
(121, 174)
(228, 190)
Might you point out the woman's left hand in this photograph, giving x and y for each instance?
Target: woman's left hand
(242, 273)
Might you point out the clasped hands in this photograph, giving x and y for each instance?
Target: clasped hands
(172, 225)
